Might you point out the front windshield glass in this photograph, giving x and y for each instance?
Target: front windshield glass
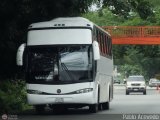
(59, 64)
(154, 80)
(136, 78)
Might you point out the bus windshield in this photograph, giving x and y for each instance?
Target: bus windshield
(59, 64)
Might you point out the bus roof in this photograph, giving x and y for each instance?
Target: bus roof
(63, 22)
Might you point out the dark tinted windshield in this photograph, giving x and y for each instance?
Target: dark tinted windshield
(59, 64)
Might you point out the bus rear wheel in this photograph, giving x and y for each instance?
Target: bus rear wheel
(105, 106)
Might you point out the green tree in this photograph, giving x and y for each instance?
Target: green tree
(103, 17)
(124, 8)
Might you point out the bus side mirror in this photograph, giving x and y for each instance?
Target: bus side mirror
(96, 51)
(20, 52)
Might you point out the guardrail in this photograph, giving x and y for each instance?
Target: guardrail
(134, 34)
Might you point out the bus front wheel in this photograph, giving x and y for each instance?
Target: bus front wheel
(40, 109)
(93, 108)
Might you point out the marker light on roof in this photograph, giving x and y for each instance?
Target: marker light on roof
(30, 26)
(59, 25)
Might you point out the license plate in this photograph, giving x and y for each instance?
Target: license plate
(59, 100)
(135, 89)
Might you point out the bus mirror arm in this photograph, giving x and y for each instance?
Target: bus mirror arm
(19, 57)
(96, 51)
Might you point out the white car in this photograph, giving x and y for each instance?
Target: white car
(135, 83)
(154, 82)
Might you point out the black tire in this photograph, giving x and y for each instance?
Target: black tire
(93, 108)
(127, 92)
(59, 109)
(99, 106)
(40, 109)
(144, 93)
(106, 106)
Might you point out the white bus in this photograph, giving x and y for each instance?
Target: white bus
(68, 64)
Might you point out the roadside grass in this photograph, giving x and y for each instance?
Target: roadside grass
(13, 96)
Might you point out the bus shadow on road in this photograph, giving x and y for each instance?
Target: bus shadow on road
(81, 111)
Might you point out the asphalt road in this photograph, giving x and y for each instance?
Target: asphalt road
(123, 107)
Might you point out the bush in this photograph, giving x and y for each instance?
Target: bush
(157, 76)
(12, 96)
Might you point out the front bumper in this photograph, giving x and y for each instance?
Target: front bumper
(136, 89)
(84, 98)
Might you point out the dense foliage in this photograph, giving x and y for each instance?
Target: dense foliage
(138, 59)
(12, 96)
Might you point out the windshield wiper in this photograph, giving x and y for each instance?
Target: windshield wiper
(64, 67)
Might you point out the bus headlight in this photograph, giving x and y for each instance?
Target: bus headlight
(86, 90)
(34, 92)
